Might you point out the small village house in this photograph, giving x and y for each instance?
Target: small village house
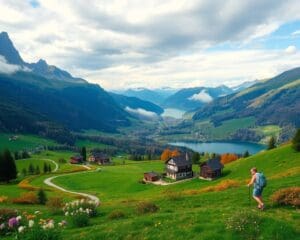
(179, 167)
(211, 169)
(151, 176)
(99, 158)
(76, 159)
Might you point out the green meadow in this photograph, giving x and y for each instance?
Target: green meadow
(185, 209)
(23, 142)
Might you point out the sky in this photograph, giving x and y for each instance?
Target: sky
(122, 44)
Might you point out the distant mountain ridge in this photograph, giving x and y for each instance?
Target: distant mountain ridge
(156, 96)
(40, 68)
(192, 98)
(44, 96)
(273, 101)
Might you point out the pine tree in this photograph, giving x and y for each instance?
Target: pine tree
(272, 143)
(296, 141)
(24, 172)
(49, 168)
(16, 155)
(25, 155)
(30, 169)
(45, 168)
(246, 154)
(8, 169)
(41, 195)
(37, 170)
(83, 154)
(196, 158)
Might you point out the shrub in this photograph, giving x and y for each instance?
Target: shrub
(287, 196)
(62, 160)
(26, 198)
(173, 196)
(41, 196)
(79, 220)
(3, 199)
(55, 204)
(228, 157)
(38, 233)
(117, 214)
(246, 224)
(81, 206)
(146, 207)
(296, 141)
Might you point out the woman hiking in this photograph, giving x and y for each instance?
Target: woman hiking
(259, 182)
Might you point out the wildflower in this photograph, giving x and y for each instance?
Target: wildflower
(2, 226)
(18, 218)
(13, 222)
(30, 223)
(66, 213)
(21, 229)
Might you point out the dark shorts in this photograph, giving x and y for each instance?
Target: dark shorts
(257, 192)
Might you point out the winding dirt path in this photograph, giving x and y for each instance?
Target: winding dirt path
(49, 182)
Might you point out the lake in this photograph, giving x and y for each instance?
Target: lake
(222, 147)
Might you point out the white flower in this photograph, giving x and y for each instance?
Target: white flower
(30, 223)
(18, 218)
(21, 229)
(80, 209)
(2, 226)
(50, 224)
(67, 214)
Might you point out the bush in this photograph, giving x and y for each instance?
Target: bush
(79, 220)
(246, 224)
(296, 141)
(62, 160)
(287, 196)
(81, 206)
(173, 196)
(146, 207)
(117, 214)
(38, 233)
(55, 204)
(26, 198)
(41, 196)
(3, 199)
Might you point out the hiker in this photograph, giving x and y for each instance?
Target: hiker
(259, 182)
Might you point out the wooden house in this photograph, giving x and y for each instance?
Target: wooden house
(211, 169)
(76, 159)
(99, 158)
(179, 167)
(151, 176)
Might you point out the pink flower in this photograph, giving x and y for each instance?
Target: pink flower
(13, 222)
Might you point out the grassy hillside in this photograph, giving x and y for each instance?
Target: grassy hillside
(195, 209)
(185, 211)
(23, 142)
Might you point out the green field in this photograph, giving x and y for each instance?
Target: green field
(23, 142)
(184, 211)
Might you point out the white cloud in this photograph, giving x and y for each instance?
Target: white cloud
(291, 49)
(202, 96)
(7, 68)
(141, 111)
(121, 44)
(295, 33)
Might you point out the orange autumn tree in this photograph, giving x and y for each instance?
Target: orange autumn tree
(167, 153)
(228, 157)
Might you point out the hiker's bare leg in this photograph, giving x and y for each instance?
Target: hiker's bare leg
(258, 200)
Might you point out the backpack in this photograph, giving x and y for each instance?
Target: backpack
(261, 180)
